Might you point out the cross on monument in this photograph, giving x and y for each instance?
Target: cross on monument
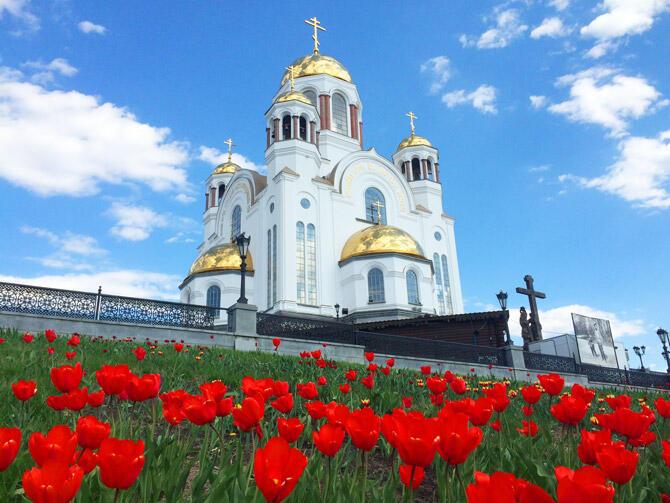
(230, 144)
(533, 295)
(291, 76)
(379, 206)
(317, 26)
(411, 120)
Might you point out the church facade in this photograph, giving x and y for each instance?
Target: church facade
(331, 223)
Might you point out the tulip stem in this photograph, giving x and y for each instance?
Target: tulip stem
(364, 471)
(460, 480)
(116, 495)
(411, 484)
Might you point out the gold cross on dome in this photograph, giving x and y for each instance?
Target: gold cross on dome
(317, 26)
(230, 144)
(291, 76)
(411, 120)
(379, 206)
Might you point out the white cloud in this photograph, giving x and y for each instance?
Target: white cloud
(623, 18)
(90, 27)
(538, 101)
(45, 73)
(184, 198)
(507, 27)
(19, 10)
(601, 48)
(542, 168)
(70, 249)
(482, 98)
(550, 27)
(181, 237)
(559, 5)
(439, 69)
(69, 143)
(608, 98)
(641, 174)
(558, 321)
(214, 156)
(126, 282)
(134, 223)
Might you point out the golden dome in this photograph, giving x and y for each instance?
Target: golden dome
(293, 96)
(380, 239)
(220, 258)
(414, 140)
(317, 64)
(226, 167)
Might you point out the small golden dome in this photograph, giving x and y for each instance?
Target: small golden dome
(317, 64)
(226, 167)
(380, 239)
(220, 258)
(293, 96)
(414, 140)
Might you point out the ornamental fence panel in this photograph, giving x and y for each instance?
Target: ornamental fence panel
(554, 363)
(47, 301)
(648, 379)
(607, 375)
(275, 325)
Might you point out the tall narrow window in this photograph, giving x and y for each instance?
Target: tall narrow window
(214, 299)
(447, 285)
(375, 206)
(269, 267)
(438, 284)
(303, 128)
(429, 164)
(416, 169)
(222, 189)
(274, 264)
(236, 222)
(339, 114)
(300, 262)
(376, 286)
(310, 260)
(286, 127)
(412, 288)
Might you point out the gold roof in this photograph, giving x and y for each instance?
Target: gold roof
(293, 96)
(317, 64)
(226, 167)
(380, 239)
(220, 258)
(414, 140)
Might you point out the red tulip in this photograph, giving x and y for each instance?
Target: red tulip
(214, 390)
(591, 442)
(10, 442)
(316, 354)
(178, 347)
(498, 393)
(140, 353)
(70, 354)
(619, 402)
(67, 377)
(280, 388)
(24, 390)
(52, 483)
(569, 410)
(308, 391)
(58, 445)
(321, 381)
(198, 409)
(495, 425)
(662, 407)
(337, 414)
(316, 409)
(584, 394)
(289, 429)
(368, 381)
(407, 402)
(91, 431)
(436, 385)
(414, 436)
(277, 469)
(369, 356)
(527, 410)
(172, 403)
(458, 386)
(626, 423)
(28, 337)
(96, 399)
(224, 407)
(143, 388)
(120, 462)
(113, 378)
(345, 388)
(363, 427)
(350, 375)
(276, 342)
(618, 463)
(283, 404)
(74, 340)
(479, 411)
(87, 459)
(504, 487)
(411, 475)
(425, 370)
(457, 439)
(666, 452)
(528, 429)
(50, 335)
(248, 414)
(390, 362)
(585, 485)
(552, 383)
(328, 439)
(531, 394)
(50, 350)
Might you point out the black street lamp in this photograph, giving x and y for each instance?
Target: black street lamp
(502, 299)
(639, 351)
(337, 311)
(663, 335)
(242, 241)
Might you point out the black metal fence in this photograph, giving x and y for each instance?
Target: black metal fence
(275, 325)
(98, 306)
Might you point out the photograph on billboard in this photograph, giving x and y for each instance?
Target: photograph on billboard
(594, 341)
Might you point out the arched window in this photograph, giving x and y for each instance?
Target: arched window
(269, 266)
(236, 222)
(376, 286)
(286, 127)
(438, 284)
(447, 285)
(430, 170)
(310, 260)
(311, 95)
(416, 169)
(300, 262)
(274, 265)
(305, 263)
(339, 114)
(402, 169)
(222, 189)
(303, 128)
(375, 205)
(412, 288)
(214, 299)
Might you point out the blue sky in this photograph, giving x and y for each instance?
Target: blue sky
(551, 117)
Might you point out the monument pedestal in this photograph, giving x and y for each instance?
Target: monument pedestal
(242, 319)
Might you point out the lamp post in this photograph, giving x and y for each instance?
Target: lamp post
(663, 335)
(337, 311)
(242, 241)
(639, 351)
(502, 300)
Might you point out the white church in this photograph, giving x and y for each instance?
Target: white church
(331, 223)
